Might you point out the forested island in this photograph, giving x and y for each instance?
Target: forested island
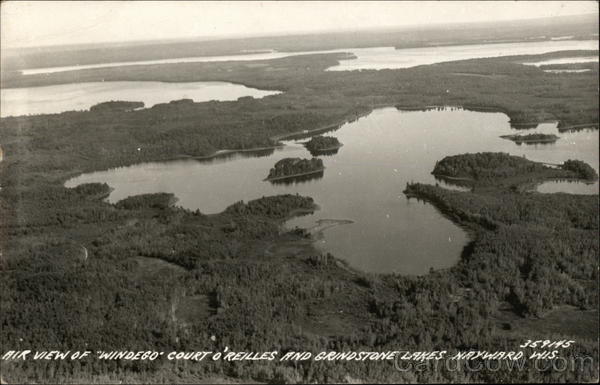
(322, 144)
(116, 106)
(532, 138)
(295, 167)
(496, 168)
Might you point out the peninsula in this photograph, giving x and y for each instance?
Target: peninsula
(116, 106)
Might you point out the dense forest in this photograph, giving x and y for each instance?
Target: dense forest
(144, 274)
(581, 169)
(322, 143)
(534, 252)
(116, 106)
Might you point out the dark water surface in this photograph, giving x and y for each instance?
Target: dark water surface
(362, 182)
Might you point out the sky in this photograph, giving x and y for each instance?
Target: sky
(42, 23)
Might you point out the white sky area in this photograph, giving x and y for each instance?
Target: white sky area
(41, 23)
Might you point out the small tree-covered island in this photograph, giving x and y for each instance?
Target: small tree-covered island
(323, 143)
(295, 167)
(497, 168)
(532, 138)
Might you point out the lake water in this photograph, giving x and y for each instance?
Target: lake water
(372, 58)
(81, 96)
(382, 58)
(363, 182)
(567, 71)
(565, 60)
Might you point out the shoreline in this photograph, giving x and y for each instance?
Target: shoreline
(576, 127)
(321, 225)
(518, 139)
(534, 183)
(328, 127)
(442, 176)
(219, 153)
(293, 175)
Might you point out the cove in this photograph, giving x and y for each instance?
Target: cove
(379, 229)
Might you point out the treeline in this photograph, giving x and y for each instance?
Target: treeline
(156, 201)
(93, 190)
(116, 106)
(486, 165)
(276, 207)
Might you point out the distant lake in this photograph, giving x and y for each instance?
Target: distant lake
(371, 58)
(383, 58)
(565, 60)
(567, 71)
(362, 182)
(81, 96)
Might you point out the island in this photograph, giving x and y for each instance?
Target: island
(295, 167)
(532, 138)
(498, 169)
(322, 143)
(116, 106)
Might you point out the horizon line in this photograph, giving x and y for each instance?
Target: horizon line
(283, 33)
